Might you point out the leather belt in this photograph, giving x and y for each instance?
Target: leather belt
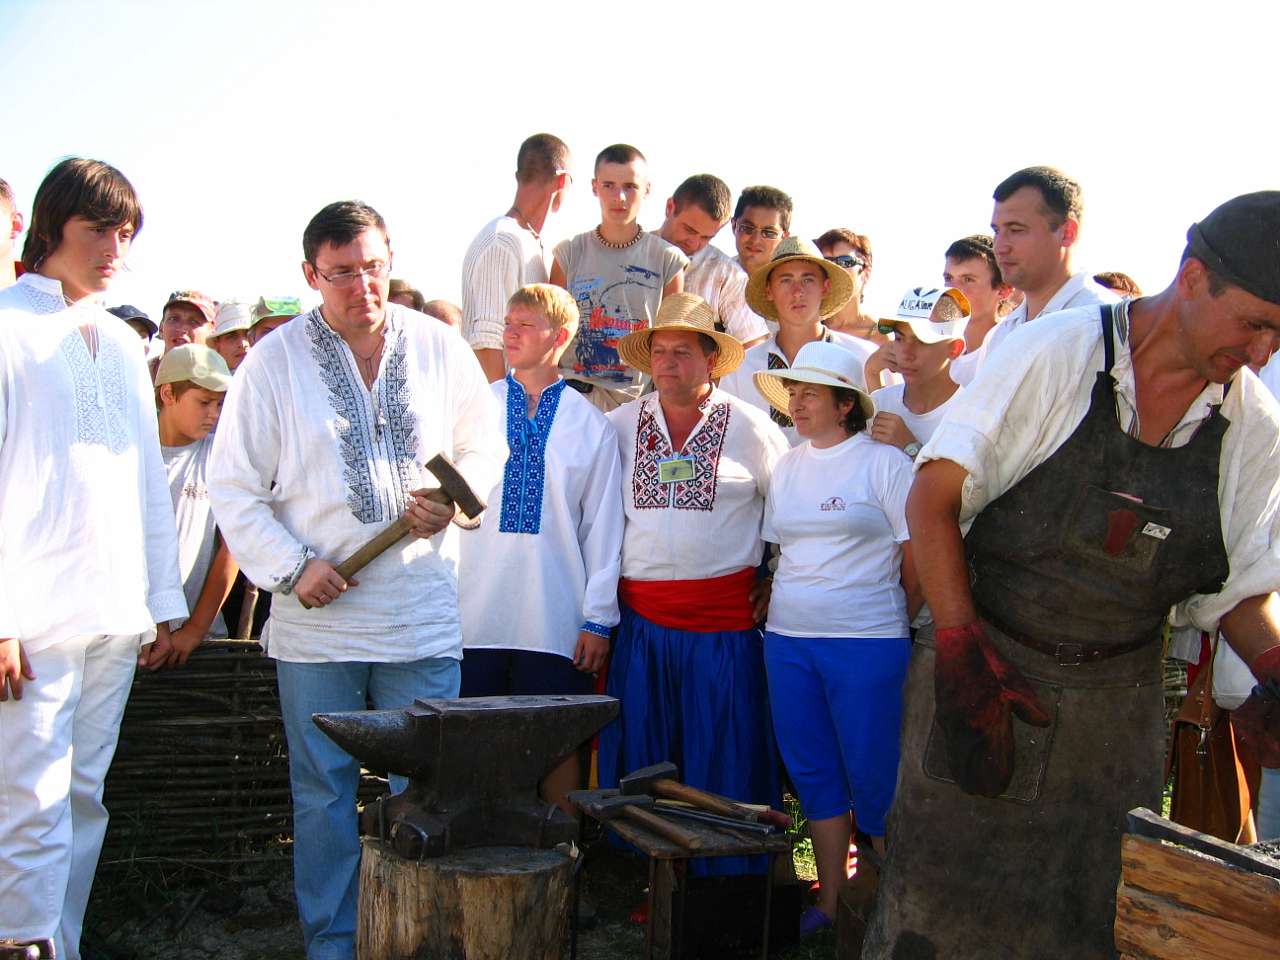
(1069, 654)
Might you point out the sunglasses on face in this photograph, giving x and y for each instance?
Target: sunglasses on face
(848, 262)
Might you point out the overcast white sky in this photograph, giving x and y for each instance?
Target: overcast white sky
(237, 121)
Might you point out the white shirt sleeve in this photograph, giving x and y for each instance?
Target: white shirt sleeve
(494, 277)
(479, 440)
(600, 533)
(8, 619)
(165, 599)
(892, 482)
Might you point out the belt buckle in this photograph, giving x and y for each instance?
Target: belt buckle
(1069, 654)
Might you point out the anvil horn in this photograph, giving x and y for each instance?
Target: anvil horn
(387, 739)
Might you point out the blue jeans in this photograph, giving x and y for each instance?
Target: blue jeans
(324, 777)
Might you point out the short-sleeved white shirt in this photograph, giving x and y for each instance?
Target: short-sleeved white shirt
(922, 425)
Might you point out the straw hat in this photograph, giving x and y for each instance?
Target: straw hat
(798, 248)
(682, 311)
(816, 362)
(933, 314)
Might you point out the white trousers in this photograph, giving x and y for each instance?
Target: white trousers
(56, 744)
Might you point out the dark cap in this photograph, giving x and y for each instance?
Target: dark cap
(127, 312)
(1240, 242)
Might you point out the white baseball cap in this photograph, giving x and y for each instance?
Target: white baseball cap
(934, 314)
(232, 317)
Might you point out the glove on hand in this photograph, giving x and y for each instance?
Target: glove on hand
(1257, 721)
(976, 692)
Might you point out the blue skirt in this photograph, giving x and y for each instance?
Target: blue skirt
(701, 701)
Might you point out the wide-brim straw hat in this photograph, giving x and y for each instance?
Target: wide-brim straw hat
(798, 248)
(816, 362)
(682, 311)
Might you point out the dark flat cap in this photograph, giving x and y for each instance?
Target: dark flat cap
(1240, 242)
(127, 312)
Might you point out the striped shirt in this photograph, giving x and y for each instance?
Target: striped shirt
(501, 259)
(720, 280)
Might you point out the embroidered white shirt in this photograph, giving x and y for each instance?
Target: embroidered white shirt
(502, 258)
(543, 564)
(720, 280)
(741, 382)
(87, 538)
(1037, 390)
(308, 462)
(708, 526)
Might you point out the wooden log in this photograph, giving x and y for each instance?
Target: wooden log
(487, 903)
(1157, 929)
(1201, 883)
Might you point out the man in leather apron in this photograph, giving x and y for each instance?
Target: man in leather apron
(1113, 463)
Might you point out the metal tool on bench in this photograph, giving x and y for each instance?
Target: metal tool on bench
(663, 780)
(473, 767)
(638, 809)
(454, 489)
(681, 811)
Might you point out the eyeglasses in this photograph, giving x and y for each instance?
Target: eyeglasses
(849, 263)
(886, 329)
(347, 278)
(745, 228)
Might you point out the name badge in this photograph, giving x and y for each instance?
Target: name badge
(675, 469)
(1157, 531)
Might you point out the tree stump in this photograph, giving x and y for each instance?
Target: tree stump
(485, 903)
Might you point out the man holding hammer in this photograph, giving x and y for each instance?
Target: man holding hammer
(322, 446)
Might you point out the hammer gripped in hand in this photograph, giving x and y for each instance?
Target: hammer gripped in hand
(454, 490)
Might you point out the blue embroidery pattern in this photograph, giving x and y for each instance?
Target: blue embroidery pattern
(599, 629)
(390, 434)
(524, 475)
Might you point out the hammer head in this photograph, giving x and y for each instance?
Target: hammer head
(453, 484)
(640, 781)
(610, 808)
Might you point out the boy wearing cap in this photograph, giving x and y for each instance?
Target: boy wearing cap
(270, 313)
(1110, 463)
(928, 334)
(230, 336)
(796, 289)
(550, 542)
(138, 321)
(191, 382)
(88, 551)
(618, 274)
(687, 663)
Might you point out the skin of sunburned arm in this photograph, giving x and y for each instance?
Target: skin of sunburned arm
(217, 584)
(1253, 626)
(557, 275)
(675, 286)
(933, 517)
(492, 363)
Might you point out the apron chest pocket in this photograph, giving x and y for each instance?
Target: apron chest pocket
(1117, 534)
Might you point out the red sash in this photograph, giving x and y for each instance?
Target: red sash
(699, 606)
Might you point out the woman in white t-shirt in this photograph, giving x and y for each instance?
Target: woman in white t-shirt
(837, 640)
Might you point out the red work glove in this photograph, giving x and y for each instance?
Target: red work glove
(1257, 721)
(976, 692)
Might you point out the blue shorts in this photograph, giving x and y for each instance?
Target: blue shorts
(501, 672)
(837, 714)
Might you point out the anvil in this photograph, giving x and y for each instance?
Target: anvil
(473, 767)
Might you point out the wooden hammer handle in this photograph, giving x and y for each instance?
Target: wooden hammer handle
(379, 545)
(675, 790)
(664, 828)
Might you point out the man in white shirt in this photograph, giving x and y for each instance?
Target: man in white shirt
(1113, 463)
(507, 253)
(1036, 222)
(795, 289)
(695, 213)
(88, 548)
(970, 266)
(10, 230)
(319, 448)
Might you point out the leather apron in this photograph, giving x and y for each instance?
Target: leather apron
(1074, 570)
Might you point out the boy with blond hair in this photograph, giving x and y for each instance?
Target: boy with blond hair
(550, 543)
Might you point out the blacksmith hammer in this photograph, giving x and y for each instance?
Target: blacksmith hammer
(454, 489)
(662, 780)
(637, 810)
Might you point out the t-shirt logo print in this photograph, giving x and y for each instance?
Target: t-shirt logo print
(832, 503)
(603, 322)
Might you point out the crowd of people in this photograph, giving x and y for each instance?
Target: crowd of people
(795, 540)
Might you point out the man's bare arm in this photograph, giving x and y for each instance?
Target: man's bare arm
(492, 363)
(1253, 626)
(933, 516)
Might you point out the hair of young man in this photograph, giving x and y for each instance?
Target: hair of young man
(855, 421)
(179, 387)
(977, 247)
(618, 153)
(76, 187)
(762, 196)
(338, 224)
(554, 303)
(1121, 283)
(402, 288)
(1060, 196)
(860, 242)
(707, 192)
(540, 157)
(6, 194)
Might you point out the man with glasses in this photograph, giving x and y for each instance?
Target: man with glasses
(507, 253)
(761, 219)
(319, 448)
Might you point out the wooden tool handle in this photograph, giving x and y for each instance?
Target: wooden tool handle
(675, 790)
(664, 828)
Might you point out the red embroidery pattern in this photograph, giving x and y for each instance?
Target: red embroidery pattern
(704, 446)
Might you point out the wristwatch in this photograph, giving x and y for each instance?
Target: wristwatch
(912, 449)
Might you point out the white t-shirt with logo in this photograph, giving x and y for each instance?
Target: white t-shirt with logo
(839, 515)
(921, 425)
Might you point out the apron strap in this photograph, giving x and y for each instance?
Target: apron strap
(1108, 335)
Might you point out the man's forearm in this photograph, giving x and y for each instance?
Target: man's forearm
(217, 585)
(933, 511)
(1253, 626)
(492, 363)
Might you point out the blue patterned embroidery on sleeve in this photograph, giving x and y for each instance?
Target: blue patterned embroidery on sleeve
(599, 629)
(525, 472)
